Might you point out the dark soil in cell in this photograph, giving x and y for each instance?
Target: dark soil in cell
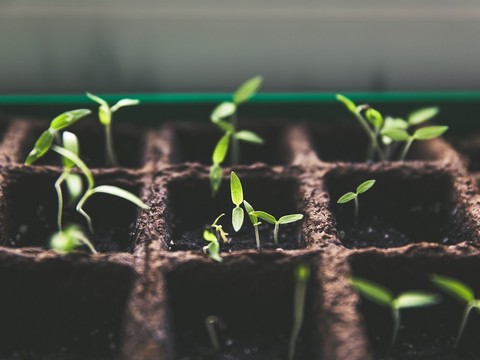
(32, 217)
(56, 310)
(254, 300)
(196, 143)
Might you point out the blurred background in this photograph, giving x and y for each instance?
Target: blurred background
(67, 46)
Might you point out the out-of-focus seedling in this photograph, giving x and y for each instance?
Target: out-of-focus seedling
(301, 276)
(254, 219)
(236, 191)
(214, 237)
(349, 196)
(213, 324)
(286, 219)
(67, 240)
(462, 293)
(105, 115)
(384, 297)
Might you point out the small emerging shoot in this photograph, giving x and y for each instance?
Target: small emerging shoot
(105, 115)
(213, 248)
(462, 293)
(384, 297)
(213, 324)
(67, 240)
(301, 275)
(363, 187)
(254, 219)
(286, 219)
(237, 199)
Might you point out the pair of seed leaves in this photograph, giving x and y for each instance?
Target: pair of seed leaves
(363, 187)
(213, 247)
(105, 111)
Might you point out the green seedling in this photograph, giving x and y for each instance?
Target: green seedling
(301, 275)
(225, 117)
(462, 293)
(105, 115)
(236, 191)
(214, 237)
(286, 219)
(384, 297)
(45, 141)
(363, 187)
(213, 324)
(67, 240)
(254, 219)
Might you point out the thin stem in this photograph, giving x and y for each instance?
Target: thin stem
(235, 154)
(257, 236)
(58, 189)
(210, 323)
(466, 312)
(371, 148)
(87, 242)
(355, 218)
(275, 233)
(82, 212)
(396, 323)
(406, 148)
(110, 157)
(298, 313)
(371, 135)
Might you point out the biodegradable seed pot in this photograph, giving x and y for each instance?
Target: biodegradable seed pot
(154, 292)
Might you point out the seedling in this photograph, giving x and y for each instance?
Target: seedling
(219, 116)
(236, 191)
(462, 293)
(105, 115)
(214, 323)
(214, 239)
(301, 275)
(384, 297)
(286, 219)
(254, 220)
(67, 240)
(349, 196)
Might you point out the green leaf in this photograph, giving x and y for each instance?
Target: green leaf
(222, 111)
(374, 117)
(416, 299)
(236, 189)
(454, 287)
(68, 118)
(62, 242)
(373, 291)
(349, 196)
(429, 132)
(78, 162)
(215, 177)
(287, 219)
(41, 147)
(121, 193)
(209, 236)
(97, 99)
(69, 142)
(237, 218)
(265, 216)
(422, 115)
(74, 186)
(104, 115)
(395, 123)
(365, 186)
(349, 104)
(249, 208)
(124, 103)
(225, 126)
(214, 251)
(396, 134)
(248, 136)
(221, 149)
(247, 89)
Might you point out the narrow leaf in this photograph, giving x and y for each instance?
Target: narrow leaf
(429, 132)
(347, 197)
(69, 142)
(373, 291)
(374, 117)
(124, 103)
(248, 136)
(416, 299)
(215, 177)
(236, 189)
(78, 162)
(249, 209)
(209, 236)
(222, 111)
(121, 193)
(287, 219)
(214, 251)
(68, 118)
(365, 186)
(221, 149)
(265, 216)
(97, 99)
(454, 288)
(422, 115)
(41, 147)
(349, 104)
(396, 134)
(237, 218)
(395, 123)
(247, 89)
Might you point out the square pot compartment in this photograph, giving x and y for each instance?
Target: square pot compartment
(30, 211)
(255, 300)
(348, 142)
(190, 207)
(425, 333)
(468, 146)
(129, 142)
(193, 142)
(406, 205)
(57, 309)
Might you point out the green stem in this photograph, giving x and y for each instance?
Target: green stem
(110, 157)
(298, 313)
(58, 189)
(235, 154)
(82, 212)
(396, 323)
(371, 135)
(257, 236)
(406, 148)
(210, 323)
(355, 217)
(466, 312)
(275, 233)
(87, 242)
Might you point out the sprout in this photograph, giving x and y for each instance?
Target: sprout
(286, 219)
(66, 241)
(301, 275)
(214, 239)
(254, 220)
(105, 114)
(231, 134)
(462, 293)
(213, 322)
(237, 199)
(363, 187)
(384, 297)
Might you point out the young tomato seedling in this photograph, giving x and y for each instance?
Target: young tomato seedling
(301, 275)
(67, 240)
(212, 323)
(105, 115)
(213, 248)
(384, 297)
(462, 293)
(286, 219)
(219, 116)
(254, 220)
(363, 187)
(236, 191)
